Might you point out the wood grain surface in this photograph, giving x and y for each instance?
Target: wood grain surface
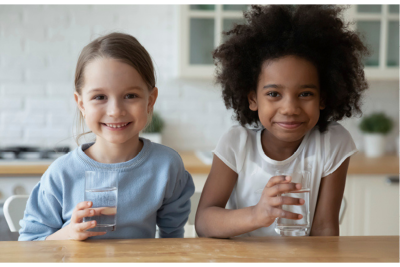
(359, 164)
(251, 249)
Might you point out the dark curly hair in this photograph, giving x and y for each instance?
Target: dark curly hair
(315, 33)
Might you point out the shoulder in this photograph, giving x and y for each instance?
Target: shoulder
(64, 162)
(236, 137)
(334, 133)
(165, 155)
(237, 131)
(61, 167)
(336, 129)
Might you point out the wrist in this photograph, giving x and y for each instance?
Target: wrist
(254, 219)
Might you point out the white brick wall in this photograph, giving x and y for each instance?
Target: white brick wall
(39, 46)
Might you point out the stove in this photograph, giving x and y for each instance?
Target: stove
(32, 153)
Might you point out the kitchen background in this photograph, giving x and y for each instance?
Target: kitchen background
(39, 47)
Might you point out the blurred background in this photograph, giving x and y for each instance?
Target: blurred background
(40, 45)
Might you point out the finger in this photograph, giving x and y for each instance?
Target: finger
(105, 211)
(80, 214)
(86, 235)
(83, 205)
(286, 214)
(81, 227)
(283, 188)
(280, 200)
(75, 218)
(277, 180)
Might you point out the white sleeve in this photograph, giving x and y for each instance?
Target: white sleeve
(338, 146)
(231, 147)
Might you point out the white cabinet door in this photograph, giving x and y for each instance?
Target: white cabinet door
(372, 206)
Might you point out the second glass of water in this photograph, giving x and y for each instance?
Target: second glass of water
(102, 189)
(288, 227)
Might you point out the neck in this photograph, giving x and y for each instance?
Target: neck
(277, 149)
(106, 152)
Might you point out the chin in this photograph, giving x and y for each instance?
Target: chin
(289, 137)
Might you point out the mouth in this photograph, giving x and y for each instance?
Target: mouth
(289, 125)
(116, 126)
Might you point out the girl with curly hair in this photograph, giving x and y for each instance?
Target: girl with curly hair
(289, 73)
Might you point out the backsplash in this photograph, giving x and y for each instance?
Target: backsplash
(39, 48)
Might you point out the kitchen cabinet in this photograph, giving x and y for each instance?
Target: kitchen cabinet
(380, 26)
(201, 29)
(372, 206)
(201, 32)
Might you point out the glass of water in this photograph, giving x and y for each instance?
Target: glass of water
(289, 227)
(102, 189)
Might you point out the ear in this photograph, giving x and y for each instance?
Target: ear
(252, 97)
(152, 99)
(79, 102)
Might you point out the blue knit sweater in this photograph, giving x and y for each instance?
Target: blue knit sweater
(153, 188)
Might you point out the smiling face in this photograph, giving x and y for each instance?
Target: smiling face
(114, 100)
(287, 98)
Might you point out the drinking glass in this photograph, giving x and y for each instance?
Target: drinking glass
(289, 227)
(102, 189)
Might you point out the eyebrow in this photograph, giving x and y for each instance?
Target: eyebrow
(311, 86)
(101, 89)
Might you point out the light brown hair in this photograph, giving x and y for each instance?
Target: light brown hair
(119, 46)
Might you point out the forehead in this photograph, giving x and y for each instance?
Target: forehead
(111, 74)
(289, 70)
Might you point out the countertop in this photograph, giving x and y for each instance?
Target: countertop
(359, 164)
(249, 249)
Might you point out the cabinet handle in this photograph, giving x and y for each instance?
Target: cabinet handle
(392, 180)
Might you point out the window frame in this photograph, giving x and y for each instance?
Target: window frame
(382, 71)
(187, 70)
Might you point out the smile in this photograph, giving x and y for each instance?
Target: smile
(116, 126)
(289, 125)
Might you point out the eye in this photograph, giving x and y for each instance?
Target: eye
(305, 94)
(99, 97)
(130, 96)
(273, 94)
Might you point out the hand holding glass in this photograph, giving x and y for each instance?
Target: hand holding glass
(102, 189)
(299, 227)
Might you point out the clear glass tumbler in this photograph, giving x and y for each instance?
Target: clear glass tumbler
(102, 189)
(289, 227)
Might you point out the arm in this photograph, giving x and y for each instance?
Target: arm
(213, 220)
(174, 213)
(326, 218)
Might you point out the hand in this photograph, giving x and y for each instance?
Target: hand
(269, 206)
(76, 230)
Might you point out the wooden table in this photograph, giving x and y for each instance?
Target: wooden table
(251, 249)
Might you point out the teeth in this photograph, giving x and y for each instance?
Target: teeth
(116, 126)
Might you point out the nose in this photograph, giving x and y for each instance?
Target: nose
(290, 107)
(115, 109)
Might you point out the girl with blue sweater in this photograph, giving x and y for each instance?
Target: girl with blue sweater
(115, 93)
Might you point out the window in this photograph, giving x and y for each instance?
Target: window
(379, 25)
(201, 32)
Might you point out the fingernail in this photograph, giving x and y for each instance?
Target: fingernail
(300, 216)
(287, 178)
(88, 203)
(93, 223)
(298, 186)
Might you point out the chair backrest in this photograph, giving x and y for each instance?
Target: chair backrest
(13, 209)
(342, 210)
